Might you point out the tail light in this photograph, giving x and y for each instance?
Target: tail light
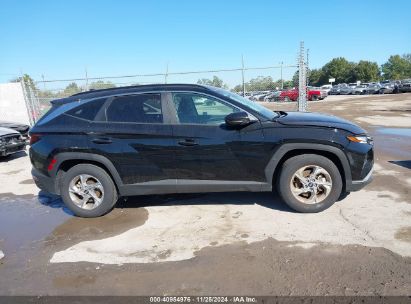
(34, 138)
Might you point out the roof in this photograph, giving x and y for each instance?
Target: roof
(130, 89)
(137, 88)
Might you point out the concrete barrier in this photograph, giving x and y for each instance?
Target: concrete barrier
(12, 104)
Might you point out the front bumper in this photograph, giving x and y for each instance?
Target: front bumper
(11, 148)
(359, 184)
(43, 181)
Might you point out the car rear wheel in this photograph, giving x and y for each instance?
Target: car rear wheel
(309, 183)
(314, 98)
(286, 99)
(88, 191)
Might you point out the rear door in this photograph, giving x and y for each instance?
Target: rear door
(132, 132)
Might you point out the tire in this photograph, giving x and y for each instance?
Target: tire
(287, 180)
(99, 182)
(314, 97)
(286, 99)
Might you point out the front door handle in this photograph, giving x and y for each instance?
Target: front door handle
(188, 142)
(102, 140)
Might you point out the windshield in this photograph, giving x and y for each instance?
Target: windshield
(248, 103)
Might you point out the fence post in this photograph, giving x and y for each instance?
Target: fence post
(302, 82)
(242, 74)
(26, 101)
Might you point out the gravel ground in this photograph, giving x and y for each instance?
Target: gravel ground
(225, 243)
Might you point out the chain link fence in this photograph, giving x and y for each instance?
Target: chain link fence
(270, 83)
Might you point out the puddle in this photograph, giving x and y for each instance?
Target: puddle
(396, 131)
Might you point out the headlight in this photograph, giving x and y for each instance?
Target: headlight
(362, 139)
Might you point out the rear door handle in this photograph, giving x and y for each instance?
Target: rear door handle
(102, 140)
(188, 142)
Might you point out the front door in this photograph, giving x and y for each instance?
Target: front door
(208, 155)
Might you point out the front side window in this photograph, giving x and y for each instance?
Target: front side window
(142, 108)
(193, 108)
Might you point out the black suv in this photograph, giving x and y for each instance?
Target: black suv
(95, 146)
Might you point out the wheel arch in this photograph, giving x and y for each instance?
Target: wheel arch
(67, 160)
(286, 151)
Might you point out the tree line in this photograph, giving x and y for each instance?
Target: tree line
(397, 67)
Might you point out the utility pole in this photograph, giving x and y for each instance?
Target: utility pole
(242, 74)
(281, 77)
(86, 88)
(44, 84)
(308, 69)
(302, 82)
(166, 74)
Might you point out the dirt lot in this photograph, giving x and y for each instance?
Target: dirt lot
(221, 244)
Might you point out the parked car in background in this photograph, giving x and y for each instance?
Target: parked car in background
(346, 89)
(326, 87)
(273, 96)
(259, 96)
(21, 128)
(335, 90)
(405, 86)
(360, 89)
(373, 88)
(387, 87)
(11, 142)
(133, 147)
(292, 95)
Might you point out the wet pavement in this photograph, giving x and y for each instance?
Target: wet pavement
(224, 243)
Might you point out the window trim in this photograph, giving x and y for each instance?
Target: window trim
(172, 111)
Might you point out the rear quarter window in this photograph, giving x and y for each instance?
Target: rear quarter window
(87, 111)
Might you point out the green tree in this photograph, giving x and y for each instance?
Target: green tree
(397, 67)
(100, 84)
(366, 71)
(261, 83)
(71, 89)
(28, 81)
(215, 82)
(295, 79)
(314, 77)
(340, 69)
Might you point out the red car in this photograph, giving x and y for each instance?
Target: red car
(292, 95)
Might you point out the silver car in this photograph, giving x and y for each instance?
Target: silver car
(360, 89)
(11, 142)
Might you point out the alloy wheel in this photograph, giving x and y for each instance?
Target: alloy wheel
(311, 184)
(86, 191)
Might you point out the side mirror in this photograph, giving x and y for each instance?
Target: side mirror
(237, 120)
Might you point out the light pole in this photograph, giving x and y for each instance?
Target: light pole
(281, 74)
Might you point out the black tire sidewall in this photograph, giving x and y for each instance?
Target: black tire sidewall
(292, 165)
(110, 192)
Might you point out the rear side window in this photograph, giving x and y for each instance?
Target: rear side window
(141, 108)
(88, 110)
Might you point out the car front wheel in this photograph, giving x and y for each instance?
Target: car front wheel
(309, 183)
(88, 190)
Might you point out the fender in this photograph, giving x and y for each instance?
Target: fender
(278, 155)
(63, 156)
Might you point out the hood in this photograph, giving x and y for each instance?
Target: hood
(6, 131)
(22, 128)
(318, 120)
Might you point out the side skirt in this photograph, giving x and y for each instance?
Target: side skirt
(170, 186)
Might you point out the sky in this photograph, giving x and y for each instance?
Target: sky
(62, 39)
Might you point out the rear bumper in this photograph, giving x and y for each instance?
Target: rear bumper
(44, 182)
(359, 184)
